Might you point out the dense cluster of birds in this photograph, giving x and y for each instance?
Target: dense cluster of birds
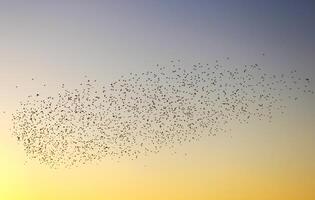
(141, 113)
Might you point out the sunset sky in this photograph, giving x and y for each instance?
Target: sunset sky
(61, 41)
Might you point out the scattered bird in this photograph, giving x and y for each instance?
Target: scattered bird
(142, 113)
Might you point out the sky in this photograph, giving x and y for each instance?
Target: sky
(59, 42)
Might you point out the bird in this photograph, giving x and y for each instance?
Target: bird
(142, 113)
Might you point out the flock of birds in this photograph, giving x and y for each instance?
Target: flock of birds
(142, 113)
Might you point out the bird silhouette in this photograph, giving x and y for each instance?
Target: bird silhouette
(142, 113)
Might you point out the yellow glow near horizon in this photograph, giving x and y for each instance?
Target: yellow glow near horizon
(251, 165)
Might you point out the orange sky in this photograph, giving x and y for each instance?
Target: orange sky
(61, 41)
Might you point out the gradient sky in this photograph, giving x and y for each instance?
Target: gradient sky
(61, 41)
